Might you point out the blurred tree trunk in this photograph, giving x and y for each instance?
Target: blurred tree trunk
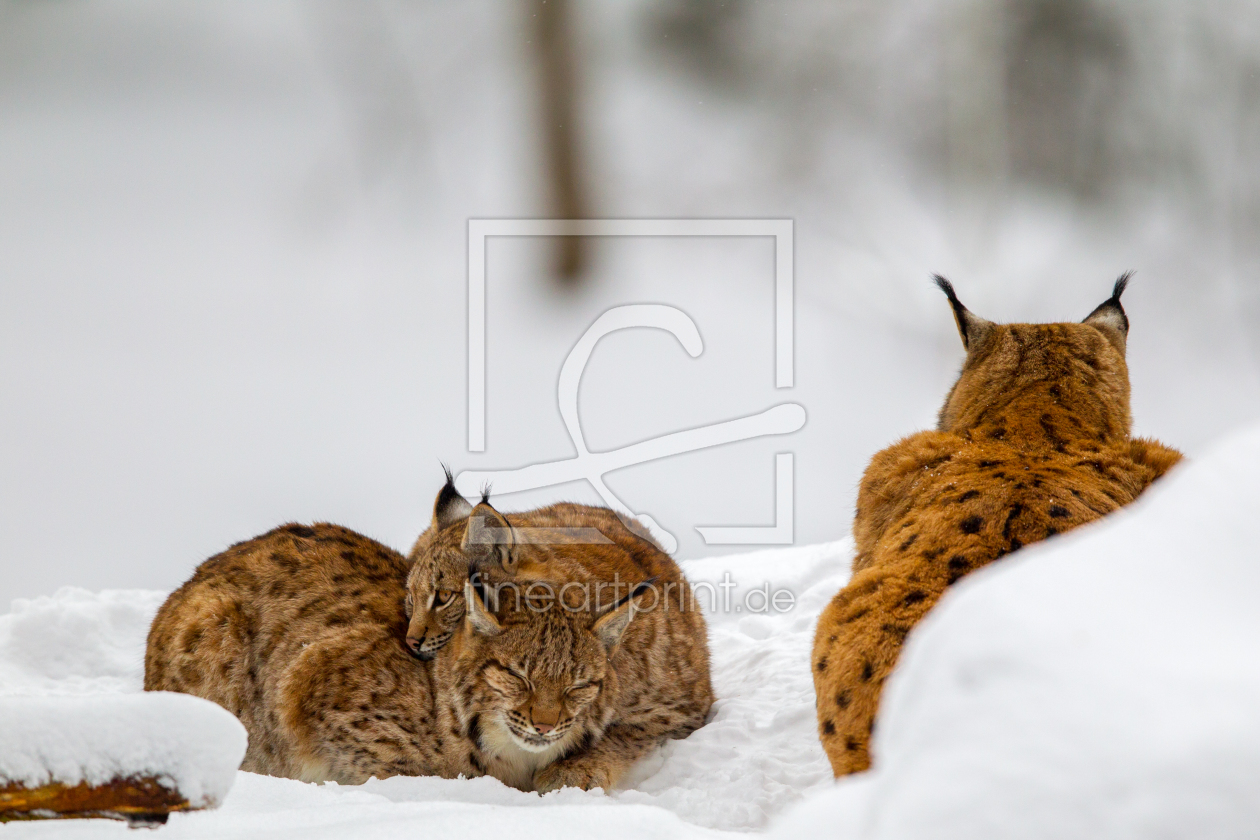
(556, 61)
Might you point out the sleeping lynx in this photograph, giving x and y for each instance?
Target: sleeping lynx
(1033, 439)
(301, 634)
(557, 544)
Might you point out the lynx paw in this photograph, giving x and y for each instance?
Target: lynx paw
(566, 774)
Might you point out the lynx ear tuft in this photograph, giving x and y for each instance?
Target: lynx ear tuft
(449, 507)
(1109, 315)
(971, 327)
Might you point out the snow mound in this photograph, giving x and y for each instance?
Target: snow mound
(76, 641)
(1102, 684)
(185, 742)
(758, 755)
(72, 709)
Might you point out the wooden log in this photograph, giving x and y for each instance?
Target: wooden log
(141, 801)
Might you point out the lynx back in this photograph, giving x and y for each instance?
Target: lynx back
(1032, 440)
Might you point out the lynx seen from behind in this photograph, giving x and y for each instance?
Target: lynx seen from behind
(1033, 439)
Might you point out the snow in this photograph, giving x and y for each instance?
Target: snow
(72, 708)
(1102, 684)
(71, 671)
(757, 756)
(185, 742)
(76, 641)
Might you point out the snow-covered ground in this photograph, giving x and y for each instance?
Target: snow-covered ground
(756, 757)
(1103, 684)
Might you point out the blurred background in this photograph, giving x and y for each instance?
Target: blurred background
(233, 237)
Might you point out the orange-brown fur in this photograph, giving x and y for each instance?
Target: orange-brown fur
(588, 558)
(301, 633)
(1033, 440)
(558, 544)
(295, 632)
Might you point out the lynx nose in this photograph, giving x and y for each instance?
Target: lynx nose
(416, 648)
(543, 728)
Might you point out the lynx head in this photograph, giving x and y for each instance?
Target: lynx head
(461, 540)
(1032, 367)
(536, 676)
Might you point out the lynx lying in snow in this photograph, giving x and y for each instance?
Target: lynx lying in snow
(1032, 440)
(301, 633)
(557, 544)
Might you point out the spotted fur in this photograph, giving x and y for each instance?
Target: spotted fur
(1032, 440)
(570, 543)
(301, 634)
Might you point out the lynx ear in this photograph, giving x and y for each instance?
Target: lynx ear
(489, 540)
(971, 327)
(481, 620)
(612, 625)
(450, 507)
(1109, 315)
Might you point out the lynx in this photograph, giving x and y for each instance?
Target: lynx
(1032, 440)
(558, 544)
(301, 633)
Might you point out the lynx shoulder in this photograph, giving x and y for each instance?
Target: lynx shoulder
(1032, 440)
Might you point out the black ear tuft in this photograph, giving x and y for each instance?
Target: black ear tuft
(971, 328)
(948, 288)
(960, 311)
(1122, 283)
(1110, 313)
(485, 493)
(449, 507)
(450, 479)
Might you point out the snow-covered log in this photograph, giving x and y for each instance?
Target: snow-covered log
(129, 756)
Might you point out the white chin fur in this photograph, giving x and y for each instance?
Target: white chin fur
(515, 761)
(534, 746)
